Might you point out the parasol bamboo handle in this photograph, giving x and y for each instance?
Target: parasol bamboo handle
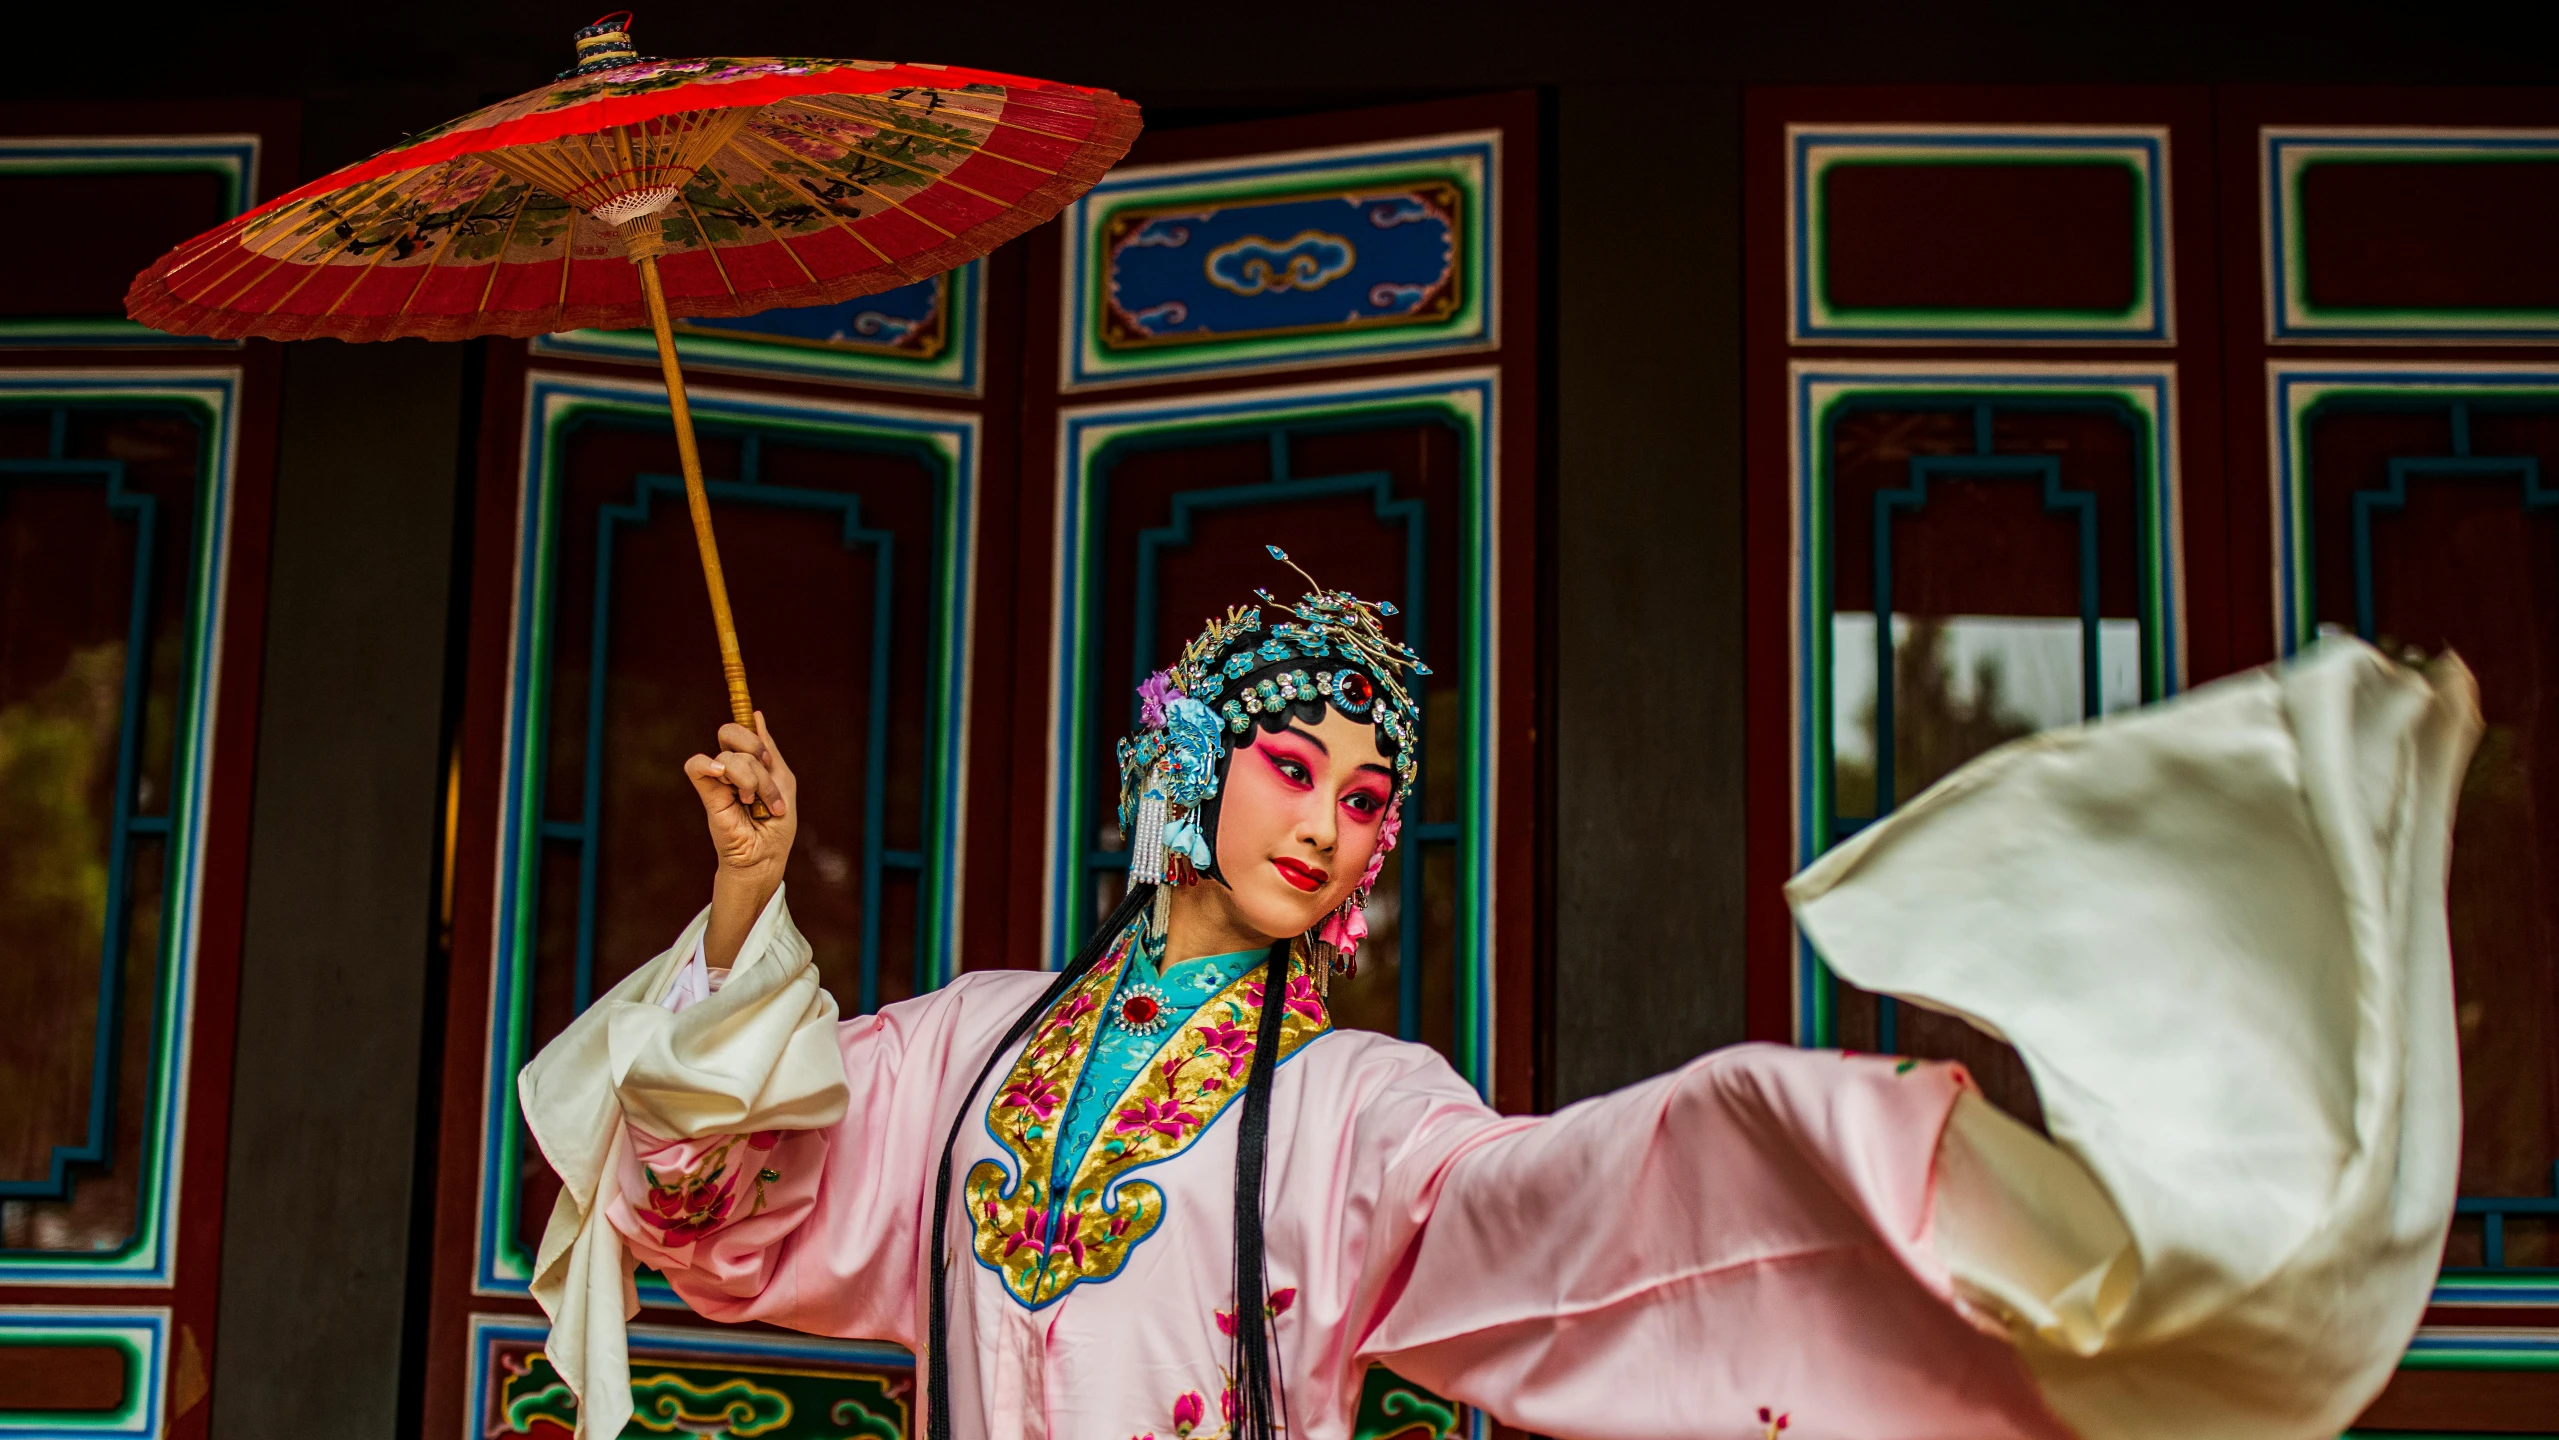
(732, 665)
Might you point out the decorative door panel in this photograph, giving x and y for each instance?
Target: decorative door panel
(1978, 234)
(1983, 492)
(1258, 261)
(135, 475)
(119, 491)
(849, 535)
(702, 1381)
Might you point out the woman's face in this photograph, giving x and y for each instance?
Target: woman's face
(1298, 818)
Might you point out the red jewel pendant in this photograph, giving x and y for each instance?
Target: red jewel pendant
(1141, 1010)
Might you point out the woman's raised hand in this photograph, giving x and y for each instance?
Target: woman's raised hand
(749, 768)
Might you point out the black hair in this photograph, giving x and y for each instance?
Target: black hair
(1250, 1360)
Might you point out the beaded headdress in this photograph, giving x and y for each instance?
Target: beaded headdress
(1331, 649)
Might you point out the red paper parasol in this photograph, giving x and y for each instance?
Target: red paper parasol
(633, 189)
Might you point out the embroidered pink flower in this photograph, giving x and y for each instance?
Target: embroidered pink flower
(1164, 1117)
(1275, 1307)
(1302, 996)
(1188, 1411)
(1034, 1233)
(1227, 1405)
(1772, 1425)
(1232, 1041)
(1035, 1094)
(1068, 1241)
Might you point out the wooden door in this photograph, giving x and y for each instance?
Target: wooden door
(135, 477)
(2393, 388)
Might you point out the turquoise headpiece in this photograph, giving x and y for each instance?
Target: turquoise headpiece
(1331, 649)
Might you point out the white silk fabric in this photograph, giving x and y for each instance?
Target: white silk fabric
(2215, 931)
(758, 1053)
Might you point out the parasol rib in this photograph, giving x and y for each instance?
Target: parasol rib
(764, 219)
(523, 203)
(840, 222)
(717, 265)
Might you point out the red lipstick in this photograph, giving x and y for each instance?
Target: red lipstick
(1305, 877)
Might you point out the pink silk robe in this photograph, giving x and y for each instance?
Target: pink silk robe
(2214, 930)
(1652, 1263)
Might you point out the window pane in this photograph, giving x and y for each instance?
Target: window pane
(2005, 538)
(97, 514)
(2434, 526)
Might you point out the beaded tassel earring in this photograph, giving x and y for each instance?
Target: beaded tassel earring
(1146, 850)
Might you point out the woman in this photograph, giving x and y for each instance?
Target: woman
(1158, 1195)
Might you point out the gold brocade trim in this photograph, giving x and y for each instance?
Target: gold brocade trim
(1044, 1249)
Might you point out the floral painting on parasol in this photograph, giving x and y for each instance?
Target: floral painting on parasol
(632, 190)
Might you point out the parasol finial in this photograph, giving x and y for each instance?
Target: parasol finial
(605, 44)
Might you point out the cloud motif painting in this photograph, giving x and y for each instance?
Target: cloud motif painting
(1308, 260)
(1351, 259)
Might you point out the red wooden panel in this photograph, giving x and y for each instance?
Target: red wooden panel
(2434, 236)
(1981, 237)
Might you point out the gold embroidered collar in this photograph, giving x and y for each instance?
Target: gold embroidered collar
(1045, 1244)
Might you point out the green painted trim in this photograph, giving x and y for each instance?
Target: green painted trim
(2023, 318)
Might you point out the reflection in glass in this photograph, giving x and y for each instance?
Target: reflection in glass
(1963, 685)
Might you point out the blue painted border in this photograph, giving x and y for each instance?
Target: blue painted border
(2153, 152)
(1808, 648)
(1312, 168)
(150, 1259)
(1083, 434)
(957, 372)
(150, 1325)
(234, 157)
(2287, 321)
(757, 1347)
(549, 398)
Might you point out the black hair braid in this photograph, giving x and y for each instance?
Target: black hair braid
(1256, 1416)
(937, 1384)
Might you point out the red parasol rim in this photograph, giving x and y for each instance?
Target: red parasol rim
(1098, 124)
(583, 117)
